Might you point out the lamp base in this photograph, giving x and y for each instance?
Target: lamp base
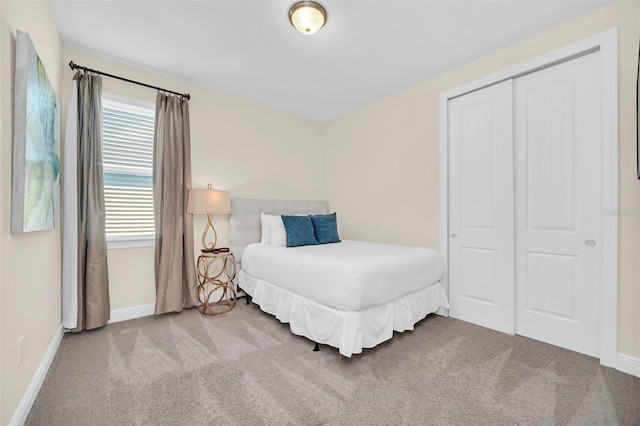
(209, 247)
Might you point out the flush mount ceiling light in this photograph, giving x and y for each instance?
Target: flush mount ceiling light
(307, 17)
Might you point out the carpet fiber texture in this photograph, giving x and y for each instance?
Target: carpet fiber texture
(246, 368)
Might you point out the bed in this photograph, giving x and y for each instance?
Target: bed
(350, 295)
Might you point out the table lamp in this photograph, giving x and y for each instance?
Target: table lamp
(208, 201)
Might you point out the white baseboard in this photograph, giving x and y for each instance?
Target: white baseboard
(21, 413)
(629, 364)
(124, 314)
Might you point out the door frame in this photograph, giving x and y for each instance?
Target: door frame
(605, 42)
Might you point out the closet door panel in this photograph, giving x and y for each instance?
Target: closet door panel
(558, 146)
(481, 207)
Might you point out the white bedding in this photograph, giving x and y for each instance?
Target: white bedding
(350, 295)
(348, 276)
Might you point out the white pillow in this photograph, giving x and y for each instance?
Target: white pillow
(278, 232)
(265, 226)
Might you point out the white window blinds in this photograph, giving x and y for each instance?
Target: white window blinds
(127, 155)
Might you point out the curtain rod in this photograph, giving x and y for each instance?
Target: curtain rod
(76, 66)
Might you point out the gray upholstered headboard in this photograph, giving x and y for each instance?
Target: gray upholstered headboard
(244, 225)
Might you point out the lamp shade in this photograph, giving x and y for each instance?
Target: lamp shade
(307, 17)
(208, 201)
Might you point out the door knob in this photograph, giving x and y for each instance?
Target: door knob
(590, 243)
(454, 236)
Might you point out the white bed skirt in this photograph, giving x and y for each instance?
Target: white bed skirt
(349, 331)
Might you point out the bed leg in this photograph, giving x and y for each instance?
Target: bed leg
(247, 297)
(316, 348)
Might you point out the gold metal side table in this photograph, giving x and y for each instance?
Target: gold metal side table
(216, 292)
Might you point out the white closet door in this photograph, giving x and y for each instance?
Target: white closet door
(558, 148)
(481, 263)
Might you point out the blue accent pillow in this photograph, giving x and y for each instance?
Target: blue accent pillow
(326, 228)
(299, 231)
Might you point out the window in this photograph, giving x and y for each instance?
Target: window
(127, 155)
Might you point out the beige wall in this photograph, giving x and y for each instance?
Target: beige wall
(238, 146)
(30, 263)
(387, 154)
(1, 182)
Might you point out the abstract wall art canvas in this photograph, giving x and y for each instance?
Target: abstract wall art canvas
(35, 194)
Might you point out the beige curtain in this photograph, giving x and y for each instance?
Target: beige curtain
(176, 286)
(93, 278)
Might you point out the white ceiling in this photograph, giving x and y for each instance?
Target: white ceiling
(248, 49)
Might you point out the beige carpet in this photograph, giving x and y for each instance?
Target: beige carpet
(245, 367)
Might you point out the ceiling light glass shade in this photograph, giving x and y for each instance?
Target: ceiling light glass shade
(307, 17)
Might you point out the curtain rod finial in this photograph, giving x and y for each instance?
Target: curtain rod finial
(72, 65)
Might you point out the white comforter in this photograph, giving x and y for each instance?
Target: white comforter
(349, 276)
